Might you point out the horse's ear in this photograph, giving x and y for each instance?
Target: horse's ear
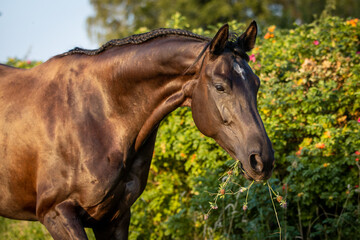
(218, 43)
(247, 40)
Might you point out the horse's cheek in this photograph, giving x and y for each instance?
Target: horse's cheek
(200, 113)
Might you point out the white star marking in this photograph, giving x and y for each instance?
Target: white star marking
(239, 70)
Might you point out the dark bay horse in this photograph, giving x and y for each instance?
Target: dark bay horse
(77, 132)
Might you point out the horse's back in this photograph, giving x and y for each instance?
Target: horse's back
(5, 69)
(13, 80)
(8, 72)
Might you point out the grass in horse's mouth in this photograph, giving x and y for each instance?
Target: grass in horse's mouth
(227, 178)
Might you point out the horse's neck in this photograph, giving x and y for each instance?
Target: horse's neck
(148, 83)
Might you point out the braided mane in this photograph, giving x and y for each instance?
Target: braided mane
(137, 39)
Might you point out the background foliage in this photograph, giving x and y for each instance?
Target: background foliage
(120, 18)
(309, 101)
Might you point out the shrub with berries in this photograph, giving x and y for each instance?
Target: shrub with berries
(310, 106)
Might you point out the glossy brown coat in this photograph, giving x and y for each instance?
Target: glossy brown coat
(77, 132)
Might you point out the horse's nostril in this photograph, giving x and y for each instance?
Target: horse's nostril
(256, 163)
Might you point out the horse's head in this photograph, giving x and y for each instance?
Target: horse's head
(224, 103)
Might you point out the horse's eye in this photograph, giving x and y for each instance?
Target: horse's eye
(219, 87)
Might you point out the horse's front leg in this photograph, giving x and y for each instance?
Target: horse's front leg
(63, 222)
(118, 229)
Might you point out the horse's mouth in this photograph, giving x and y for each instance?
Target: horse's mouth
(243, 172)
(248, 175)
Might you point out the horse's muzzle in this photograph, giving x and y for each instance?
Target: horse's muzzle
(260, 168)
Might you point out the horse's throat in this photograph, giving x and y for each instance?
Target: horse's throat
(165, 107)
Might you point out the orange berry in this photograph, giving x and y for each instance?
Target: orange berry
(327, 134)
(268, 35)
(298, 153)
(320, 145)
(271, 28)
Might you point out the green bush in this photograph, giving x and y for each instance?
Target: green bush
(309, 101)
(311, 105)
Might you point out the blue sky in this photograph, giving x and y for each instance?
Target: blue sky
(40, 29)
